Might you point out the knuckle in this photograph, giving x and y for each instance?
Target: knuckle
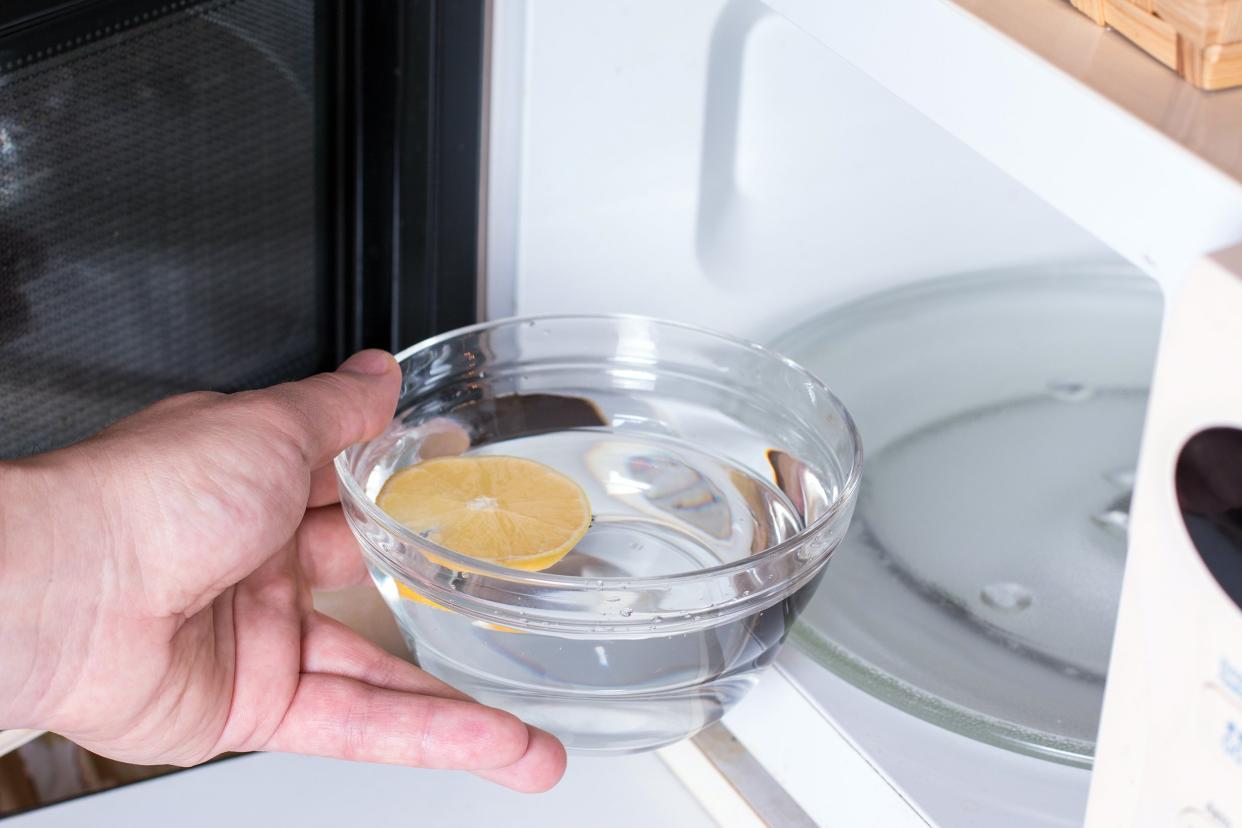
(512, 734)
(284, 593)
(200, 397)
(327, 388)
(382, 671)
(423, 743)
(339, 406)
(190, 398)
(269, 406)
(277, 412)
(356, 730)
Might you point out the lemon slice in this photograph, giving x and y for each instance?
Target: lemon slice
(506, 510)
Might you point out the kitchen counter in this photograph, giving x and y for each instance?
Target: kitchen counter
(281, 789)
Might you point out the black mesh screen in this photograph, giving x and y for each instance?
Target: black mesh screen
(157, 217)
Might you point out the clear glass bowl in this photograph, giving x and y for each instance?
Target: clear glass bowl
(721, 477)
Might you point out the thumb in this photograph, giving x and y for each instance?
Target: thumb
(327, 413)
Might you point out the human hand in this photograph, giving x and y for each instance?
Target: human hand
(155, 586)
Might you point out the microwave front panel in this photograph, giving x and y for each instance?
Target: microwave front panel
(1170, 745)
(730, 171)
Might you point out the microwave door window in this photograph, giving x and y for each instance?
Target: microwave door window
(157, 216)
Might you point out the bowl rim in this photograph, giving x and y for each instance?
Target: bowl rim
(465, 563)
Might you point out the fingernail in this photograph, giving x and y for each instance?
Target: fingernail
(372, 363)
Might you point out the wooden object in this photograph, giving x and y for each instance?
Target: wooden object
(11, 740)
(1201, 40)
(51, 768)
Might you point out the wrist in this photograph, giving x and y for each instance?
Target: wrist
(27, 595)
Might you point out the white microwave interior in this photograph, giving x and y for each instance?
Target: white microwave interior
(738, 174)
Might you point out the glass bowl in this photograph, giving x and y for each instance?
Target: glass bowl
(721, 477)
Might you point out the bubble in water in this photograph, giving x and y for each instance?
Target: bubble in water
(627, 612)
(745, 592)
(1006, 596)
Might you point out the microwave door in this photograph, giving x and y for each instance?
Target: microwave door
(160, 222)
(412, 133)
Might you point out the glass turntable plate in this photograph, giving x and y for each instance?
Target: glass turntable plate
(1000, 416)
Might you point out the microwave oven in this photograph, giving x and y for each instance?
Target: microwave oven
(250, 189)
(224, 195)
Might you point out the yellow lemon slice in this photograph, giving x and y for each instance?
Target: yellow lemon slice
(506, 510)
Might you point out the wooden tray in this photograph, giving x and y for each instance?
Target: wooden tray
(1201, 40)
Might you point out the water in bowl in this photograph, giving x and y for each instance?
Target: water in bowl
(660, 507)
